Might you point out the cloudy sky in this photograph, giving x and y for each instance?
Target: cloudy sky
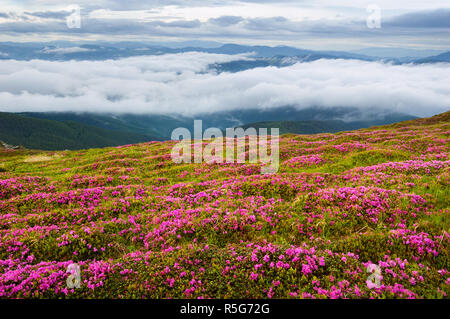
(184, 83)
(312, 24)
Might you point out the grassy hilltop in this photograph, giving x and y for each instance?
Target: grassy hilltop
(141, 226)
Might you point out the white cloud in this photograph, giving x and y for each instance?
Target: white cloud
(182, 83)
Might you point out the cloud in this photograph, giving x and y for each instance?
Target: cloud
(178, 24)
(226, 21)
(58, 15)
(276, 29)
(271, 24)
(183, 84)
(319, 24)
(424, 19)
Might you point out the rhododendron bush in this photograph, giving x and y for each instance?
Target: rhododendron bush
(140, 226)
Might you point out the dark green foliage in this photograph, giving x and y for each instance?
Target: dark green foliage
(52, 135)
(302, 127)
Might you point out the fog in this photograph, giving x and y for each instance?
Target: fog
(184, 84)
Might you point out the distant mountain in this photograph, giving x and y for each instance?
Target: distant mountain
(46, 134)
(278, 61)
(61, 51)
(397, 53)
(158, 127)
(91, 52)
(278, 56)
(311, 127)
(366, 118)
(259, 51)
(161, 126)
(444, 57)
(302, 127)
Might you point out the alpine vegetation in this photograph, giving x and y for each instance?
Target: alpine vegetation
(241, 146)
(360, 214)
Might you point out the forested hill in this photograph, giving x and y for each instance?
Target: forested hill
(52, 135)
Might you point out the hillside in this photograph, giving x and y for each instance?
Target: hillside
(261, 55)
(444, 57)
(141, 226)
(54, 135)
(310, 127)
(160, 127)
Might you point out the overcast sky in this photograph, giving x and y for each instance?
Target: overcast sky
(313, 24)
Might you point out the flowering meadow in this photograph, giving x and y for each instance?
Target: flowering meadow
(140, 226)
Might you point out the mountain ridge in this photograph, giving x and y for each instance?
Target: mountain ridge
(69, 130)
(63, 51)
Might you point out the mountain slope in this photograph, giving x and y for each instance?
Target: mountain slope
(64, 51)
(140, 226)
(161, 126)
(325, 126)
(444, 57)
(52, 135)
(305, 127)
(140, 124)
